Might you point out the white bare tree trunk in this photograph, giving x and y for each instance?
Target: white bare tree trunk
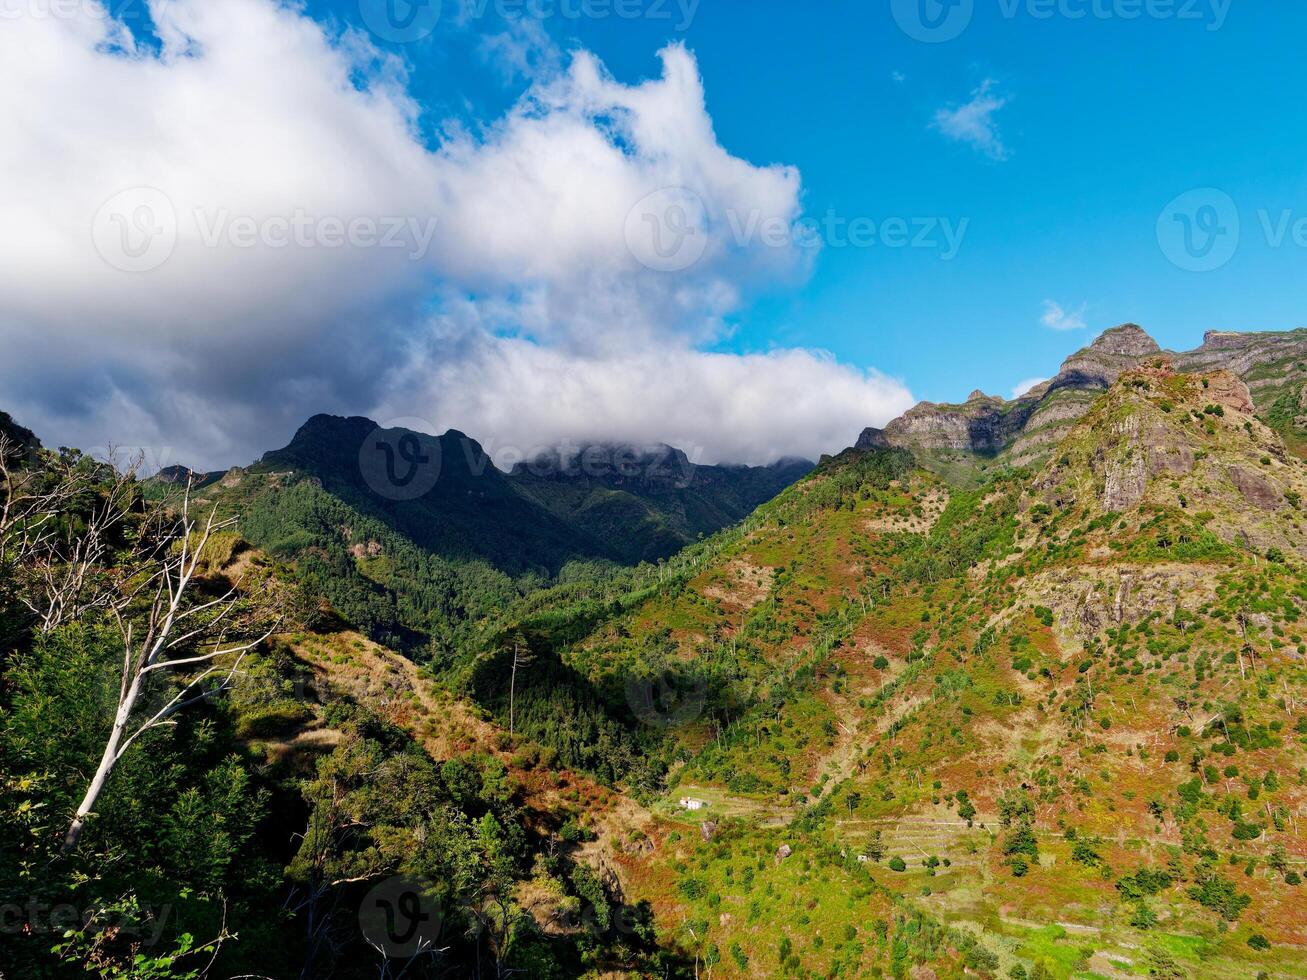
(112, 749)
(171, 623)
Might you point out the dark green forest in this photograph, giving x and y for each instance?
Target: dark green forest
(204, 854)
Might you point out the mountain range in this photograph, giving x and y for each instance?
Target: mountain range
(604, 501)
(1009, 689)
(1025, 429)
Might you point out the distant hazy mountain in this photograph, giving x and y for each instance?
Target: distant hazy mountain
(647, 502)
(444, 493)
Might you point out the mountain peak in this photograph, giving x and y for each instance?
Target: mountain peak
(608, 461)
(1127, 340)
(178, 475)
(19, 439)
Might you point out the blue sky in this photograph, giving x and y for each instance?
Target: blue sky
(1106, 120)
(1062, 174)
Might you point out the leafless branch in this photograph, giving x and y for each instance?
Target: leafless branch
(170, 569)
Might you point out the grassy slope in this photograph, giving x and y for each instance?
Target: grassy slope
(1085, 666)
(895, 666)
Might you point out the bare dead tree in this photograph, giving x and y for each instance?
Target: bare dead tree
(63, 576)
(522, 657)
(31, 497)
(160, 643)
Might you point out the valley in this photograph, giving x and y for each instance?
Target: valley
(1023, 702)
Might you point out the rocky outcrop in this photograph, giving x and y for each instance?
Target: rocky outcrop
(1264, 360)
(988, 425)
(982, 425)
(1182, 464)
(1126, 478)
(1256, 490)
(1025, 429)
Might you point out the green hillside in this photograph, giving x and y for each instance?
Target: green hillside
(423, 543)
(1059, 712)
(1042, 721)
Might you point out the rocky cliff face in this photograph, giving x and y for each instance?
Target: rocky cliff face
(1272, 365)
(981, 425)
(1269, 363)
(1185, 445)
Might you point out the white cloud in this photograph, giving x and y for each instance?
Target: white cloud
(717, 407)
(254, 114)
(1057, 318)
(973, 122)
(522, 50)
(898, 76)
(1024, 386)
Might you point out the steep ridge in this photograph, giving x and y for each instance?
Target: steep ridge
(1023, 430)
(19, 439)
(442, 493)
(609, 502)
(422, 542)
(1061, 712)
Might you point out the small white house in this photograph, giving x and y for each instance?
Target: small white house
(690, 803)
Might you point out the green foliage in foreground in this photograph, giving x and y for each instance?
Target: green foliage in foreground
(223, 845)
